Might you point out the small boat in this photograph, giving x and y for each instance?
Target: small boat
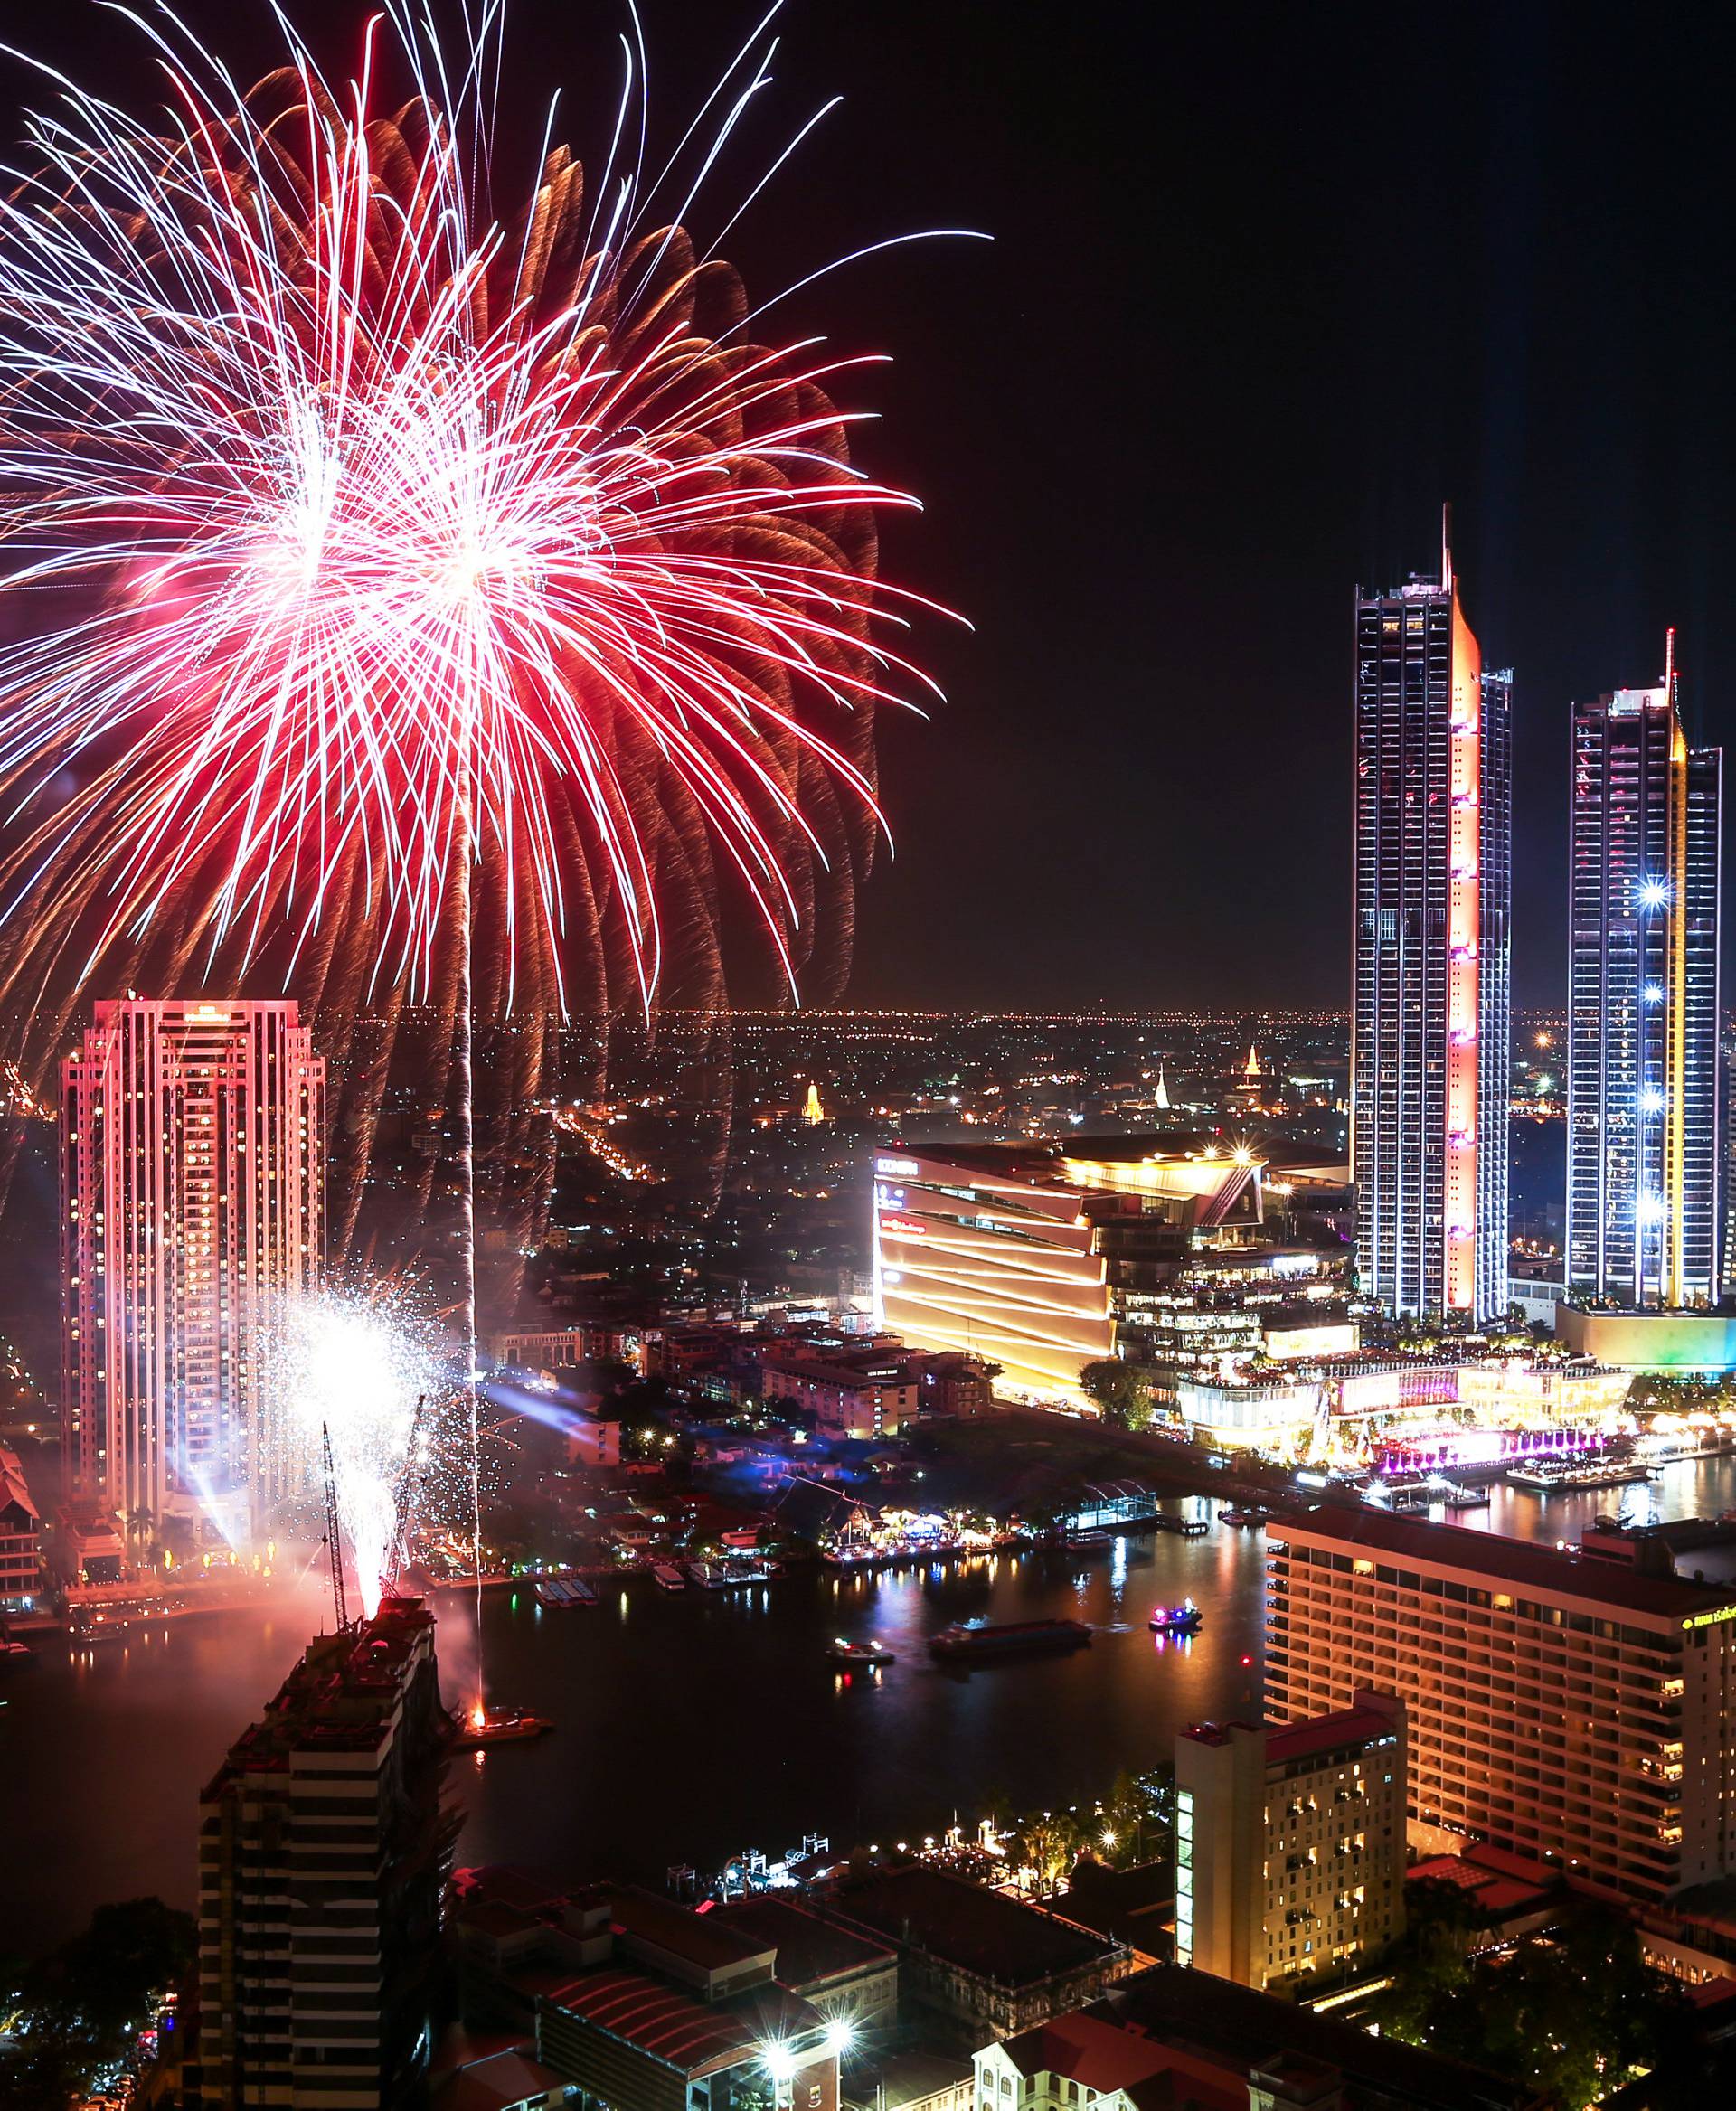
(14, 1656)
(1256, 1517)
(1185, 1618)
(100, 1630)
(868, 1653)
(478, 1726)
(667, 1577)
(565, 1590)
(1096, 1537)
(970, 1640)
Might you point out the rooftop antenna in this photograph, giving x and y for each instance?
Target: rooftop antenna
(333, 1545)
(1669, 665)
(1447, 546)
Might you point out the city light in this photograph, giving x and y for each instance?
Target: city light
(840, 2036)
(1654, 893)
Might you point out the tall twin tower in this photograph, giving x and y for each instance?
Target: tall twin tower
(1430, 1024)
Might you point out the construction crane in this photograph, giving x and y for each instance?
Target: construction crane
(395, 1554)
(333, 1545)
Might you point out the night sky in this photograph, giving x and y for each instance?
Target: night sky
(1267, 285)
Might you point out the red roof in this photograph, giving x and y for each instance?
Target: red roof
(669, 2026)
(1325, 1733)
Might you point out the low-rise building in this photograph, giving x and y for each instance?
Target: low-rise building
(843, 1975)
(21, 1540)
(1290, 1844)
(1178, 2038)
(850, 1392)
(639, 2003)
(975, 1955)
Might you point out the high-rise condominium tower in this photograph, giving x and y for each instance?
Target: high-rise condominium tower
(1644, 1117)
(323, 1849)
(1429, 1027)
(193, 1187)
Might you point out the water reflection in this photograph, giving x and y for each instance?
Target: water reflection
(689, 1723)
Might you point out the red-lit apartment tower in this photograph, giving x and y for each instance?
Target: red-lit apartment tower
(1430, 1023)
(193, 1188)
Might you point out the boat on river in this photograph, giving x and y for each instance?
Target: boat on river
(1185, 1618)
(979, 1641)
(1548, 1476)
(478, 1726)
(667, 1577)
(1256, 1517)
(565, 1590)
(859, 1653)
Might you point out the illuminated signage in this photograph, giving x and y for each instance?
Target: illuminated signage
(889, 1197)
(1714, 1619)
(906, 1166)
(903, 1227)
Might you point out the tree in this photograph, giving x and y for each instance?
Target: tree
(1122, 1840)
(1120, 1390)
(80, 2008)
(1572, 2015)
(1050, 1848)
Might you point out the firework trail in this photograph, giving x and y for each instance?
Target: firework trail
(422, 599)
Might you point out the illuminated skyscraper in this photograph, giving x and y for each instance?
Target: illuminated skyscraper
(193, 1187)
(1643, 1158)
(1431, 1020)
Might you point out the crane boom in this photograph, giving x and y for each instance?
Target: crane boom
(395, 1554)
(334, 1544)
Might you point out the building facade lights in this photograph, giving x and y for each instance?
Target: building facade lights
(1645, 1171)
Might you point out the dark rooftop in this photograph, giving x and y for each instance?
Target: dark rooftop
(1187, 2007)
(1518, 1562)
(809, 1947)
(706, 1940)
(968, 1926)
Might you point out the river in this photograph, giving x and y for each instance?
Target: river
(689, 1728)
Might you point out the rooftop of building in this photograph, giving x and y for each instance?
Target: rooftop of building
(1186, 2007)
(1545, 1569)
(708, 1941)
(908, 2077)
(810, 1948)
(974, 1928)
(656, 2018)
(340, 1696)
(495, 2082)
(1286, 1742)
(1049, 1162)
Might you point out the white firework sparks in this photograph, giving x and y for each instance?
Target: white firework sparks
(356, 1365)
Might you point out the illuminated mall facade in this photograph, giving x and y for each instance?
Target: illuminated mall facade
(1036, 1257)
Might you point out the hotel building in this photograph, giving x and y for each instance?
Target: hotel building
(323, 1853)
(1565, 1706)
(1430, 1021)
(1290, 1844)
(1025, 1255)
(1645, 1171)
(192, 1190)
